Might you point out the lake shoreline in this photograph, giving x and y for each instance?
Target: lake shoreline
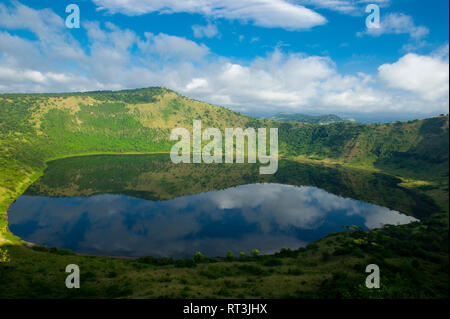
(36, 175)
(143, 154)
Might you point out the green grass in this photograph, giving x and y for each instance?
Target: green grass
(332, 267)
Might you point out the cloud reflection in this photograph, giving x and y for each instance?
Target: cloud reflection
(262, 216)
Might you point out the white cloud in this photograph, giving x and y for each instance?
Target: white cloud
(207, 31)
(15, 80)
(263, 13)
(300, 83)
(169, 46)
(342, 6)
(427, 76)
(41, 22)
(290, 82)
(354, 7)
(54, 39)
(13, 75)
(118, 59)
(397, 23)
(196, 83)
(18, 51)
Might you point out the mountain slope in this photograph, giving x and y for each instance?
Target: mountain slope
(35, 128)
(141, 120)
(314, 119)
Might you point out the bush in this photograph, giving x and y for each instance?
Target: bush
(230, 256)
(286, 252)
(312, 247)
(150, 260)
(326, 256)
(4, 256)
(198, 257)
(63, 252)
(214, 272)
(253, 270)
(39, 248)
(342, 251)
(272, 262)
(357, 252)
(116, 291)
(185, 263)
(295, 272)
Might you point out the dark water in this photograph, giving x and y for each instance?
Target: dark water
(146, 214)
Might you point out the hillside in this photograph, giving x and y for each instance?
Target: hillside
(35, 128)
(314, 119)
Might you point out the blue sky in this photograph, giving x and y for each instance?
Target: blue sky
(254, 56)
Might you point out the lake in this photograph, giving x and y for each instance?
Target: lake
(139, 205)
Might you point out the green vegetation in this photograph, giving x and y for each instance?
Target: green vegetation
(315, 119)
(403, 166)
(414, 264)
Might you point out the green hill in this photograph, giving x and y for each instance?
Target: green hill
(315, 119)
(36, 128)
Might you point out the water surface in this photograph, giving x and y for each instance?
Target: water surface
(110, 206)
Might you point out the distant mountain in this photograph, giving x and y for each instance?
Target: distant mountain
(315, 119)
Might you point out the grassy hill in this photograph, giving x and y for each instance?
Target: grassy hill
(315, 119)
(36, 128)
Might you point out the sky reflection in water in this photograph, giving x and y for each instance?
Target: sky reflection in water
(262, 216)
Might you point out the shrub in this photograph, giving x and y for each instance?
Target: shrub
(57, 251)
(253, 270)
(4, 256)
(295, 272)
(326, 256)
(185, 263)
(64, 252)
(150, 260)
(39, 248)
(312, 247)
(116, 291)
(357, 252)
(198, 257)
(214, 272)
(286, 252)
(342, 251)
(230, 256)
(272, 262)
